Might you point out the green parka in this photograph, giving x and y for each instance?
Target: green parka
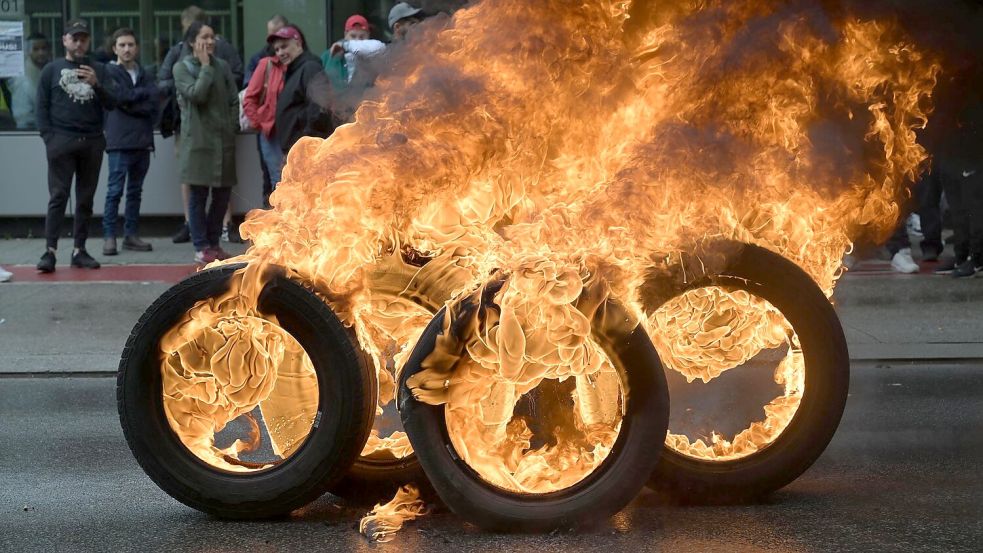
(209, 105)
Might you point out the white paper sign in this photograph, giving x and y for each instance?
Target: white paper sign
(11, 49)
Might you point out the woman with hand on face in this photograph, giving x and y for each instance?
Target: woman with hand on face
(209, 102)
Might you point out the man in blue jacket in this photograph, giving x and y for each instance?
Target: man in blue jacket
(129, 141)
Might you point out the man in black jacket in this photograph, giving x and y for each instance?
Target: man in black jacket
(73, 95)
(297, 114)
(129, 141)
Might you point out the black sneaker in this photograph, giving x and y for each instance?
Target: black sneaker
(183, 235)
(230, 234)
(47, 263)
(948, 266)
(83, 260)
(965, 269)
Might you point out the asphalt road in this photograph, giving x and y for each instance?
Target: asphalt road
(902, 474)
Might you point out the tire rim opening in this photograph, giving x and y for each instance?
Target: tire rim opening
(537, 437)
(737, 372)
(239, 392)
(392, 327)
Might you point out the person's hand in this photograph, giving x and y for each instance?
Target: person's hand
(201, 52)
(87, 74)
(337, 49)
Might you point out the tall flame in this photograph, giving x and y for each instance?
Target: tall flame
(597, 146)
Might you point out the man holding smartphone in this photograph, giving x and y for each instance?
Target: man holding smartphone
(73, 95)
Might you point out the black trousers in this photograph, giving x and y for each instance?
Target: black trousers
(71, 157)
(928, 191)
(964, 189)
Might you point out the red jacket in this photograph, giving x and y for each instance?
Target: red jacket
(260, 105)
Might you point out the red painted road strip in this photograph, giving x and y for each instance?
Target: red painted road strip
(108, 273)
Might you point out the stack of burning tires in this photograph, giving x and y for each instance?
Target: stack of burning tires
(254, 412)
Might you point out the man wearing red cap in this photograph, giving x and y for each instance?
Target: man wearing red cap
(341, 60)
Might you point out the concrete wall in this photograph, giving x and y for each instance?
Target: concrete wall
(24, 178)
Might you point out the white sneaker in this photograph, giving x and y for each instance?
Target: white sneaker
(5, 275)
(903, 263)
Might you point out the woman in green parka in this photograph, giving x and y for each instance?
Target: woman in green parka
(209, 101)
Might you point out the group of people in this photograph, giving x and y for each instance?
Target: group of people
(84, 108)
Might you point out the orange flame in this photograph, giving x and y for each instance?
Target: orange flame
(600, 144)
(383, 521)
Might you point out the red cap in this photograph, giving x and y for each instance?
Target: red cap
(356, 22)
(284, 32)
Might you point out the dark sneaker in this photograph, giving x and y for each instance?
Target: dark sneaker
(109, 247)
(47, 263)
(965, 269)
(83, 260)
(134, 243)
(230, 234)
(948, 266)
(183, 235)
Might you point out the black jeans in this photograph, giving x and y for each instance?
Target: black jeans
(964, 190)
(206, 226)
(68, 157)
(929, 194)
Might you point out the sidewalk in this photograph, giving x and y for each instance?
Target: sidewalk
(77, 320)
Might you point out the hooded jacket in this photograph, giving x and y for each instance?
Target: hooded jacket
(297, 115)
(131, 125)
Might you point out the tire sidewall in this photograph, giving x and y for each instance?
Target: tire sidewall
(827, 373)
(607, 490)
(344, 413)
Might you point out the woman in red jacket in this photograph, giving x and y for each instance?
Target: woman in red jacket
(259, 105)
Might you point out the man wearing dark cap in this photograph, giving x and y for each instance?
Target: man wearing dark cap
(402, 17)
(73, 95)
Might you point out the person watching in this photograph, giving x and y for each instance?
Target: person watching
(24, 88)
(402, 17)
(297, 114)
(74, 93)
(209, 102)
(129, 141)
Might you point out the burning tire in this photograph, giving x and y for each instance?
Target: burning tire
(609, 486)
(814, 374)
(317, 447)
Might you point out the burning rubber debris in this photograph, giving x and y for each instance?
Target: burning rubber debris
(618, 172)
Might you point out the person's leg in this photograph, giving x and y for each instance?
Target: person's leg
(952, 185)
(138, 165)
(267, 185)
(929, 194)
(114, 191)
(273, 157)
(197, 198)
(973, 200)
(90, 162)
(61, 170)
(899, 240)
(216, 213)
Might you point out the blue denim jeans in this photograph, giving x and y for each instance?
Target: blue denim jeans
(122, 164)
(273, 156)
(206, 225)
